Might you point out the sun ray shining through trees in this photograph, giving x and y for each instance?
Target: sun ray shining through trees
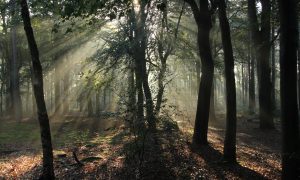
(149, 89)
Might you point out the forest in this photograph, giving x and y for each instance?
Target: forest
(149, 89)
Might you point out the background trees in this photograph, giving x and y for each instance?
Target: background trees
(150, 62)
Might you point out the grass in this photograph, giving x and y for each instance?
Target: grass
(14, 135)
(19, 133)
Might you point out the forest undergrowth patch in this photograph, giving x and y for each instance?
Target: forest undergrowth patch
(167, 154)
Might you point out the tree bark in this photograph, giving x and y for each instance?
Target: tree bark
(37, 81)
(251, 70)
(288, 85)
(273, 66)
(203, 19)
(230, 135)
(140, 42)
(261, 42)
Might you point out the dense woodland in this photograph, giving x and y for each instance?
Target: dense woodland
(149, 89)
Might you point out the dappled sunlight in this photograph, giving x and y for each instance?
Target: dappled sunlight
(141, 89)
(16, 165)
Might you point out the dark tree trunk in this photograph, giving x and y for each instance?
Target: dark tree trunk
(299, 69)
(203, 19)
(251, 70)
(288, 86)
(273, 66)
(161, 77)
(140, 59)
(140, 97)
(230, 136)
(90, 105)
(6, 63)
(164, 50)
(37, 81)
(148, 98)
(261, 40)
(265, 101)
(131, 108)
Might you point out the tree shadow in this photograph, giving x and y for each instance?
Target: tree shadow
(221, 169)
(249, 133)
(145, 159)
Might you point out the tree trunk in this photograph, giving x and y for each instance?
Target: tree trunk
(57, 92)
(66, 86)
(160, 82)
(212, 112)
(97, 103)
(288, 86)
(230, 136)
(265, 101)
(251, 80)
(37, 81)
(15, 67)
(261, 40)
(203, 19)
(140, 98)
(140, 60)
(299, 69)
(273, 67)
(90, 105)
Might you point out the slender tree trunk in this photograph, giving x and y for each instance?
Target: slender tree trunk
(242, 85)
(160, 93)
(273, 65)
(251, 81)
(90, 105)
(288, 86)
(97, 103)
(15, 66)
(37, 81)
(203, 19)
(140, 98)
(6, 64)
(57, 92)
(66, 85)
(299, 69)
(131, 107)
(140, 59)
(34, 111)
(148, 97)
(212, 113)
(230, 135)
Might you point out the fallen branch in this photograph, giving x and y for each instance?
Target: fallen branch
(76, 159)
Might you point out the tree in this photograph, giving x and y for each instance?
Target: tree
(260, 36)
(139, 56)
(165, 46)
(16, 103)
(230, 136)
(37, 81)
(288, 85)
(202, 17)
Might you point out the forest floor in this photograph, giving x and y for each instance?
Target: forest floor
(109, 151)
